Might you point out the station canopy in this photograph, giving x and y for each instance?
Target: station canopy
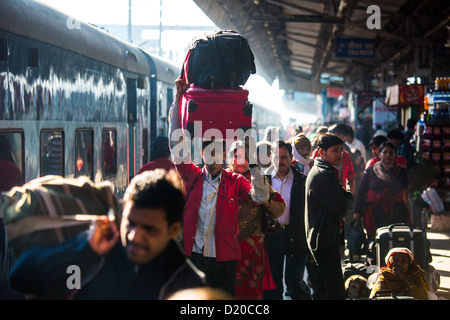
(311, 45)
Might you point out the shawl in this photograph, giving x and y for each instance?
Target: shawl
(387, 280)
(385, 198)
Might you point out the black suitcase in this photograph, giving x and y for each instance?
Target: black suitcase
(406, 236)
(220, 59)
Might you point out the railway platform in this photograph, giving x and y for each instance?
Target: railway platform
(438, 233)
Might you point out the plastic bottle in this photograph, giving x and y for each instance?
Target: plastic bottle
(431, 197)
(436, 84)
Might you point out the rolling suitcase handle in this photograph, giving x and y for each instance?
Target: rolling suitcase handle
(411, 235)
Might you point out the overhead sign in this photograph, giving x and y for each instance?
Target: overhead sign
(334, 93)
(355, 48)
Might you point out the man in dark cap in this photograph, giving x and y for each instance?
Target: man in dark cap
(159, 154)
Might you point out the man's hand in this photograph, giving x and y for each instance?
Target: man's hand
(104, 236)
(182, 86)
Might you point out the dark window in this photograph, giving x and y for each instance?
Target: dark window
(84, 154)
(109, 152)
(169, 100)
(145, 145)
(52, 152)
(33, 57)
(12, 154)
(3, 50)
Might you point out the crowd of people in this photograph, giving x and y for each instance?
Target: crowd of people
(187, 226)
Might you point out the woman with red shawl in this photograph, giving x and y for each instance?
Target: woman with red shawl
(253, 271)
(381, 198)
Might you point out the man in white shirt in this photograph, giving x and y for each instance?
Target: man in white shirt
(289, 244)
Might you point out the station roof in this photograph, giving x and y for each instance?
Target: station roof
(311, 45)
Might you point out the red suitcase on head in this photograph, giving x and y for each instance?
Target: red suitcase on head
(221, 108)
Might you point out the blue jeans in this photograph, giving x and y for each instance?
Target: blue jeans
(278, 247)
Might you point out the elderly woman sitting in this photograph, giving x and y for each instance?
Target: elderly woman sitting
(402, 276)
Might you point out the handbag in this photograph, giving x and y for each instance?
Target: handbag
(357, 242)
(270, 224)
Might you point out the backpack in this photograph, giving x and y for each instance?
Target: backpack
(220, 59)
(357, 239)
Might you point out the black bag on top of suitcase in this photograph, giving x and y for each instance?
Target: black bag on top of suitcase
(406, 236)
(220, 59)
(354, 267)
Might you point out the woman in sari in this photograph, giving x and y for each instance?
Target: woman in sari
(381, 198)
(402, 276)
(253, 271)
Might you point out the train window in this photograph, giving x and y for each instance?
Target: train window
(33, 57)
(145, 145)
(109, 152)
(169, 100)
(12, 154)
(3, 50)
(84, 156)
(52, 152)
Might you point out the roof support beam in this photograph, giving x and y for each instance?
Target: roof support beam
(344, 7)
(296, 18)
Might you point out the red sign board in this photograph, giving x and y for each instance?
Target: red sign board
(402, 94)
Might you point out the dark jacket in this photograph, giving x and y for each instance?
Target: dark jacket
(405, 150)
(298, 244)
(327, 203)
(43, 272)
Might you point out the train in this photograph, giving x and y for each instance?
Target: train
(76, 100)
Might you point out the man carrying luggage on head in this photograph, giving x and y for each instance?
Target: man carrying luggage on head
(210, 221)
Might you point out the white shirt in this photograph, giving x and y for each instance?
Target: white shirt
(284, 188)
(205, 240)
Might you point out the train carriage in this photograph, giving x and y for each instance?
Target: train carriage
(75, 100)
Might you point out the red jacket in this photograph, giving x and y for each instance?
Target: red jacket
(233, 187)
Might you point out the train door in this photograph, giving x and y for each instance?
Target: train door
(132, 113)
